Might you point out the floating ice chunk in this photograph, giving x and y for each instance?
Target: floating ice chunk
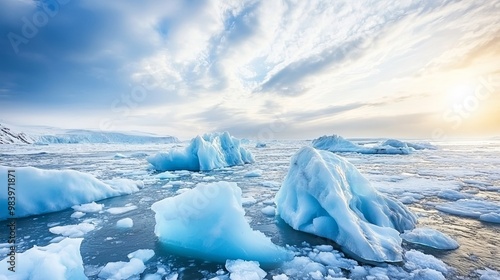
(57, 261)
(204, 153)
(418, 260)
(126, 270)
(491, 217)
(260, 145)
(122, 270)
(270, 184)
(453, 195)
(471, 208)
(325, 195)
(125, 223)
(143, 254)
(77, 215)
(280, 277)
(208, 222)
(88, 208)
(269, 211)
(44, 191)
(78, 230)
(167, 175)
(244, 270)
(121, 210)
(300, 267)
(336, 143)
(254, 173)
(431, 238)
(248, 200)
(119, 156)
(488, 274)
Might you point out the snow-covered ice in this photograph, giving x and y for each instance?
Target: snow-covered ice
(44, 191)
(244, 270)
(88, 207)
(78, 230)
(431, 238)
(126, 270)
(208, 222)
(325, 195)
(56, 261)
(207, 152)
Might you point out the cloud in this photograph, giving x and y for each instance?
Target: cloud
(240, 65)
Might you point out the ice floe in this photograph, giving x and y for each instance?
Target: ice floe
(44, 191)
(479, 209)
(431, 238)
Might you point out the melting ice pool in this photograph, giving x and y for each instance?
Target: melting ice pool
(471, 169)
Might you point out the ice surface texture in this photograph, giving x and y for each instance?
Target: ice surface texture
(325, 195)
(431, 238)
(41, 191)
(336, 143)
(208, 222)
(204, 153)
(57, 261)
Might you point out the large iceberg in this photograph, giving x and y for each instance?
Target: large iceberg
(207, 152)
(39, 191)
(208, 222)
(325, 195)
(336, 143)
(57, 261)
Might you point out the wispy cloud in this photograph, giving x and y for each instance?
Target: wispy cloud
(237, 64)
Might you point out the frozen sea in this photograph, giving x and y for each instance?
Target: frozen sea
(440, 186)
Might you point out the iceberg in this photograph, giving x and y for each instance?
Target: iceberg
(208, 222)
(40, 191)
(325, 195)
(57, 261)
(338, 144)
(204, 153)
(431, 238)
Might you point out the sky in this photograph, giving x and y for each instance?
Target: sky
(258, 69)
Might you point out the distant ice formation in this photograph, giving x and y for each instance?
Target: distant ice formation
(204, 153)
(208, 222)
(40, 191)
(325, 195)
(336, 143)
